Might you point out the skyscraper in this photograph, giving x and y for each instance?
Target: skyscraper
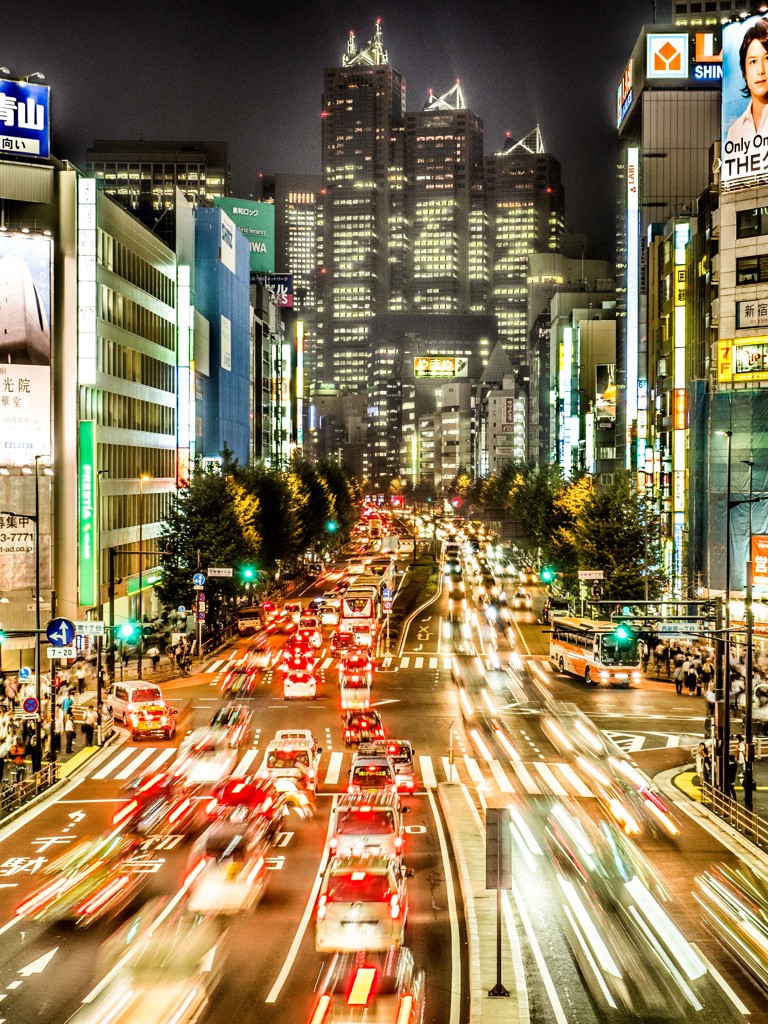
(524, 200)
(361, 205)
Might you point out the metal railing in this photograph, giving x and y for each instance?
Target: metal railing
(24, 786)
(747, 822)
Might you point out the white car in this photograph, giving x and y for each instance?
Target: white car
(230, 860)
(522, 599)
(363, 904)
(329, 615)
(204, 759)
(299, 684)
(292, 758)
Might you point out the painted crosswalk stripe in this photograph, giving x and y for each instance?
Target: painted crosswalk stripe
(474, 771)
(165, 755)
(575, 781)
(215, 666)
(551, 780)
(451, 771)
(334, 768)
(427, 771)
(405, 662)
(327, 663)
(501, 779)
(102, 773)
(447, 662)
(130, 768)
(433, 662)
(418, 663)
(525, 778)
(245, 761)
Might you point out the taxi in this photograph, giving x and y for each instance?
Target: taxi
(362, 905)
(155, 719)
(362, 725)
(376, 987)
(292, 758)
(299, 683)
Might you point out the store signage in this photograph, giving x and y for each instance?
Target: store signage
(666, 55)
(760, 560)
(752, 313)
(87, 560)
(24, 119)
(439, 366)
(257, 222)
(279, 286)
(624, 94)
(742, 359)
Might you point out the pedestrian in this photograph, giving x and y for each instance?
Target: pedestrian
(69, 730)
(5, 746)
(80, 675)
(678, 679)
(67, 703)
(16, 755)
(707, 762)
(691, 679)
(658, 657)
(732, 771)
(11, 690)
(89, 724)
(741, 757)
(699, 754)
(154, 654)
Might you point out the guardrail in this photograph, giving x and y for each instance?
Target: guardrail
(747, 822)
(24, 786)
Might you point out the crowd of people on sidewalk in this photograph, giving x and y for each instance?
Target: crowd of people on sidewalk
(691, 666)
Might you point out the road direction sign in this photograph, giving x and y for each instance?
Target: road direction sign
(591, 574)
(61, 652)
(220, 571)
(181, 609)
(60, 632)
(386, 592)
(30, 705)
(90, 628)
(198, 579)
(25, 673)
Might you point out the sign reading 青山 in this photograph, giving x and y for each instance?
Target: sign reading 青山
(24, 119)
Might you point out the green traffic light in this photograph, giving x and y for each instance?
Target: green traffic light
(331, 526)
(127, 630)
(547, 574)
(622, 632)
(2, 636)
(248, 572)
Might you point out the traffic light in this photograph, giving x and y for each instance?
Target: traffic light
(2, 636)
(248, 573)
(622, 632)
(455, 502)
(547, 574)
(128, 630)
(331, 526)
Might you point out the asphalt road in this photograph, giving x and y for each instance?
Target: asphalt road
(474, 733)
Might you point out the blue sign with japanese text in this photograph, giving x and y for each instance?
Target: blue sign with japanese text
(24, 119)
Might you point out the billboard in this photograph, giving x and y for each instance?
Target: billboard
(279, 286)
(257, 222)
(742, 360)
(759, 560)
(88, 545)
(439, 366)
(745, 103)
(666, 55)
(25, 349)
(227, 244)
(24, 119)
(605, 393)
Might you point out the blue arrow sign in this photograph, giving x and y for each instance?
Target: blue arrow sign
(25, 673)
(386, 592)
(198, 579)
(60, 632)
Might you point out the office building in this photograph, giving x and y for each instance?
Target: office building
(143, 176)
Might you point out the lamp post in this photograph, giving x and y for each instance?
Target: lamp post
(724, 660)
(140, 644)
(749, 621)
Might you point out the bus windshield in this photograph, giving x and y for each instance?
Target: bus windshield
(614, 652)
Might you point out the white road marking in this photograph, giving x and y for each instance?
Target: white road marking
(109, 767)
(141, 756)
(475, 774)
(427, 771)
(451, 771)
(248, 757)
(503, 782)
(447, 663)
(165, 755)
(405, 662)
(334, 768)
(215, 666)
(327, 663)
(538, 956)
(418, 663)
(723, 983)
(575, 781)
(524, 776)
(298, 938)
(433, 662)
(455, 1014)
(553, 783)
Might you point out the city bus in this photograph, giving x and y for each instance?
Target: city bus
(248, 621)
(602, 653)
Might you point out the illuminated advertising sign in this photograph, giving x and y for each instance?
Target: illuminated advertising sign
(24, 119)
(744, 360)
(744, 115)
(605, 393)
(666, 55)
(257, 222)
(279, 286)
(752, 314)
(633, 289)
(88, 548)
(25, 348)
(707, 58)
(439, 366)
(227, 244)
(679, 409)
(624, 95)
(760, 560)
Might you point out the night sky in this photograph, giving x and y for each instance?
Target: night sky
(251, 75)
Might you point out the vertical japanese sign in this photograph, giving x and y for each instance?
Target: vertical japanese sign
(25, 349)
(88, 549)
(24, 119)
(760, 560)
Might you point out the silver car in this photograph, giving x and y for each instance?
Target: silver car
(363, 905)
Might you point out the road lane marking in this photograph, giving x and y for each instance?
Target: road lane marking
(475, 774)
(575, 781)
(538, 956)
(246, 759)
(334, 768)
(109, 767)
(551, 779)
(427, 771)
(405, 662)
(215, 666)
(433, 662)
(161, 758)
(132, 765)
(298, 938)
(525, 778)
(327, 664)
(723, 983)
(503, 782)
(418, 663)
(455, 1014)
(447, 662)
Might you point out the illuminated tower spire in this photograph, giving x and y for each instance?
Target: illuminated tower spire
(374, 52)
(451, 100)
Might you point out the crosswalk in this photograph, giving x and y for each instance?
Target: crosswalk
(388, 662)
(532, 778)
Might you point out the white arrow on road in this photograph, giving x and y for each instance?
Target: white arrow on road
(39, 965)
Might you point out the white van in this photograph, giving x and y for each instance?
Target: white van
(126, 697)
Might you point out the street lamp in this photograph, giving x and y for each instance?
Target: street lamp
(140, 643)
(723, 641)
(749, 620)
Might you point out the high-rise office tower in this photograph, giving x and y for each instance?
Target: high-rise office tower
(361, 205)
(524, 201)
(444, 203)
(143, 176)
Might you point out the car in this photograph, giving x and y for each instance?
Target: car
(362, 905)
(314, 568)
(254, 796)
(154, 805)
(298, 655)
(522, 599)
(362, 725)
(233, 721)
(240, 679)
(310, 634)
(357, 660)
(372, 770)
(367, 823)
(292, 609)
(341, 641)
(329, 614)
(293, 755)
(554, 606)
(452, 567)
(331, 597)
(282, 623)
(299, 683)
(125, 697)
(229, 865)
(145, 721)
(378, 987)
(258, 655)
(363, 634)
(204, 759)
(401, 754)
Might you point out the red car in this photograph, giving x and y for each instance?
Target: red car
(362, 726)
(341, 642)
(298, 655)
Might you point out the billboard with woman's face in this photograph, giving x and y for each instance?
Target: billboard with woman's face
(745, 103)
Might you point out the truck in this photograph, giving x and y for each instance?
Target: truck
(390, 544)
